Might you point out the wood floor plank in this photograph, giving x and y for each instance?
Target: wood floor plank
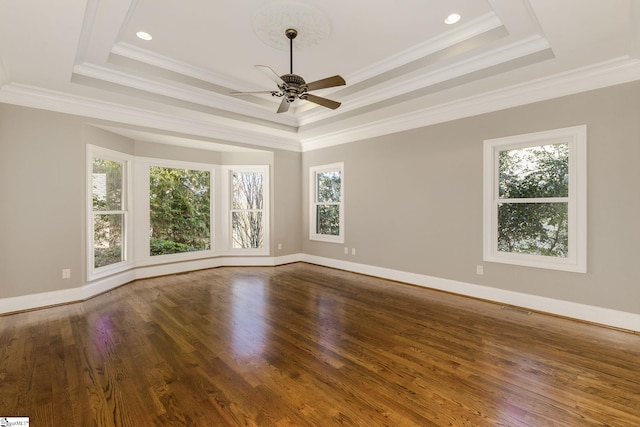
(303, 345)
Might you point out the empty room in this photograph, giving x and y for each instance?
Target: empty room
(320, 213)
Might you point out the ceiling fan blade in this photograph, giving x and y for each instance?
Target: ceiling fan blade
(284, 105)
(322, 101)
(268, 71)
(325, 83)
(252, 93)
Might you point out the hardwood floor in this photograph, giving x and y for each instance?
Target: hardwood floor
(303, 345)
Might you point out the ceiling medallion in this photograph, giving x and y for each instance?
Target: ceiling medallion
(272, 20)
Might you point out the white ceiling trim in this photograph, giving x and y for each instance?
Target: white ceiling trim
(474, 28)
(617, 71)
(403, 85)
(145, 56)
(464, 32)
(608, 73)
(182, 92)
(216, 128)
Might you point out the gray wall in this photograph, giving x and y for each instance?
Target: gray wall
(41, 191)
(413, 200)
(42, 195)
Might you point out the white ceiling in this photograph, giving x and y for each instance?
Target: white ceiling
(403, 66)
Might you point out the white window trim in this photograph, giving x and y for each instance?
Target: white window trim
(93, 152)
(226, 194)
(142, 219)
(313, 171)
(576, 137)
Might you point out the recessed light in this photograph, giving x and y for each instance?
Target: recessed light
(452, 19)
(143, 35)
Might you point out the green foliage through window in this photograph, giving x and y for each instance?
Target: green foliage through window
(180, 210)
(533, 187)
(328, 197)
(108, 212)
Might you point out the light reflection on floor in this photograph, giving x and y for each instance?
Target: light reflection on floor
(102, 334)
(329, 324)
(248, 323)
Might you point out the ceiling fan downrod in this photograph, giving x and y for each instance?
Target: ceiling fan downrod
(294, 86)
(291, 34)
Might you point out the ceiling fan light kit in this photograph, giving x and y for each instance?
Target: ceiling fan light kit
(292, 86)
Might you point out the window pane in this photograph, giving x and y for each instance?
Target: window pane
(328, 220)
(247, 190)
(247, 230)
(329, 186)
(107, 185)
(533, 228)
(180, 210)
(534, 172)
(107, 237)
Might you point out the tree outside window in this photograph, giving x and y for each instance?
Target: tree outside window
(535, 199)
(108, 212)
(533, 185)
(327, 204)
(180, 210)
(247, 209)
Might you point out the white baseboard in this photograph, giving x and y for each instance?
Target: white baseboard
(45, 299)
(599, 315)
(588, 313)
(66, 296)
(181, 267)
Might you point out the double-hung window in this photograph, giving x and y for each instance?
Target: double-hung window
(326, 210)
(535, 199)
(108, 228)
(248, 199)
(148, 211)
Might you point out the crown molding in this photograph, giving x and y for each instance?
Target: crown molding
(428, 47)
(181, 92)
(403, 85)
(145, 56)
(609, 73)
(617, 71)
(216, 127)
(464, 32)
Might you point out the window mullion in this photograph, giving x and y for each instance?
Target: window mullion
(536, 200)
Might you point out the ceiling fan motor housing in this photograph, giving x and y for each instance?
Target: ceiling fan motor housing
(293, 79)
(294, 86)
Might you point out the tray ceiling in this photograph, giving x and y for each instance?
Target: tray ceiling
(404, 66)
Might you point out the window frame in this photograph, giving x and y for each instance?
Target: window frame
(143, 211)
(576, 138)
(227, 223)
(95, 152)
(313, 203)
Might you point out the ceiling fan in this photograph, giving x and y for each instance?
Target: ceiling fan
(292, 86)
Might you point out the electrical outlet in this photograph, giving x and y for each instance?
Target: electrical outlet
(353, 251)
(279, 246)
(66, 273)
(346, 251)
(479, 270)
